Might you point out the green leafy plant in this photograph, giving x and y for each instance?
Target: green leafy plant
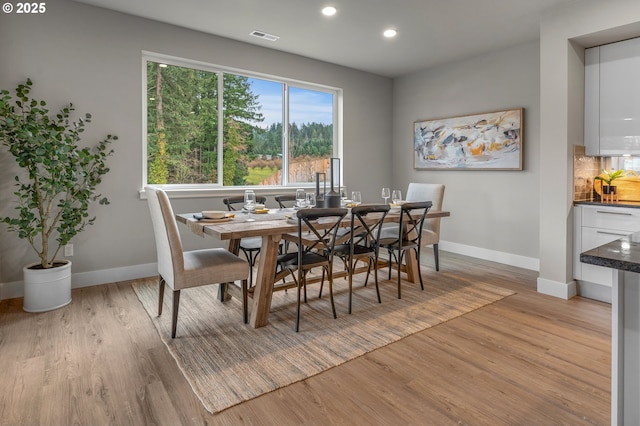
(60, 177)
(610, 176)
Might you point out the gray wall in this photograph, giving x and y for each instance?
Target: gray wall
(92, 57)
(494, 213)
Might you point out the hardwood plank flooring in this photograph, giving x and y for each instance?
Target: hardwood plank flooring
(528, 359)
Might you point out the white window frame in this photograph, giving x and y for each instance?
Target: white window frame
(217, 189)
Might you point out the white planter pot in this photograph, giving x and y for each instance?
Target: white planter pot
(47, 289)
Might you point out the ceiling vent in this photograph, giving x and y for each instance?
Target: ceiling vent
(264, 35)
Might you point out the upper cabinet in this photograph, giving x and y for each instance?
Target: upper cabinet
(612, 99)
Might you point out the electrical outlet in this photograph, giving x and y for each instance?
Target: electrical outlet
(68, 250)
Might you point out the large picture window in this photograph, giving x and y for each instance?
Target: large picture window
(214, 127)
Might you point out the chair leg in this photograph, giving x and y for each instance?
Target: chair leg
(366, 279)
(251, 258)
(245, 302)
(350, 272)
(400, 253)
(375, 275)
(174, 319)
(333, 305)
(304, 287)
(161, 292)
(419, 271)
(393, 257)
(435, 255)
(300, 279)
(321, 286)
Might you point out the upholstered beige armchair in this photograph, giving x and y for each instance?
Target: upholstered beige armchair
(433, 192)
(184, 269)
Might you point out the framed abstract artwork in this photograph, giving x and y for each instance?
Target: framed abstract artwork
(486, 141)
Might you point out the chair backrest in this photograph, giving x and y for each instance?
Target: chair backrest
(319, 238)
(364, 231)
(285, 200)
(411, 223)
(165, 229)
(433, 192)
(232, 202)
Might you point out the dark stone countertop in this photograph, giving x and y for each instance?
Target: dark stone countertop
(631, 204)
(622, 254)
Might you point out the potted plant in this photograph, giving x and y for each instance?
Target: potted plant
(607, 178)
(53, 191)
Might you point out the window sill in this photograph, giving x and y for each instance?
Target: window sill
(185, 192)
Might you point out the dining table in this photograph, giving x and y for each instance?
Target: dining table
(271, 225)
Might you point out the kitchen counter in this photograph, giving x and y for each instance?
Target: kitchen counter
(622, 254)
(623, 258)
(632, 204)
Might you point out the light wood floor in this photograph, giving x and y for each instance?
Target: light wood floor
(528, 359)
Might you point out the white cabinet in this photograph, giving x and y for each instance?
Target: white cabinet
(594, 226)
(592, 101)
(612, 98)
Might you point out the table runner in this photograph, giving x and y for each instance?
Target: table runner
(197, 226)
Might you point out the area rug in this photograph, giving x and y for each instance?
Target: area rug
(227, 362)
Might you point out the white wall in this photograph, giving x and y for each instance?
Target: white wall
(92, 57)
(494, 214)
(564, 33)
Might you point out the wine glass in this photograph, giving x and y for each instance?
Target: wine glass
(311, 199)
(396, 196)
(356, 198)
(386, 193)
(249, 200)
(300, 198)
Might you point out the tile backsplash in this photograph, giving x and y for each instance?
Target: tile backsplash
(584, 170)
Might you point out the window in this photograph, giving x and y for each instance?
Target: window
(210, 127)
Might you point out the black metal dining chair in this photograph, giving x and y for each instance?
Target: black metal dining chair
(250, 246)
(409, 237)
(285, 200)
(364, 242)
(317, 233)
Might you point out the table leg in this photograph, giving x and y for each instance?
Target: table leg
(412, 266)
(264, 281)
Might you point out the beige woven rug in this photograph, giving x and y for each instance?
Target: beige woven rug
(227, 362)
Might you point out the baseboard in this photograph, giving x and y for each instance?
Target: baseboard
(104, 276)
(557, 289)
(594, 291)
(530, 263)
(87, 279)
(552, 288)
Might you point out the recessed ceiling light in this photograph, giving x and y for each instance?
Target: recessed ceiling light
(390, 33)
(329, 11)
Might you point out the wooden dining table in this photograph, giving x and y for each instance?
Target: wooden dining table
(271, 227)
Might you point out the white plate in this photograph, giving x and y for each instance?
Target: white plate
(214, 214)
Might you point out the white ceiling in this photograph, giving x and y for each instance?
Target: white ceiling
(430, 32)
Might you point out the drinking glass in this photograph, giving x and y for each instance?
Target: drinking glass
(396, 196)
(311, 199)
(356, 198)
(386, 193)
(300, 198)
(249, 200)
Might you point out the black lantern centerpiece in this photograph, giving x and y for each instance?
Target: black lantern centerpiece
(331, 198)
